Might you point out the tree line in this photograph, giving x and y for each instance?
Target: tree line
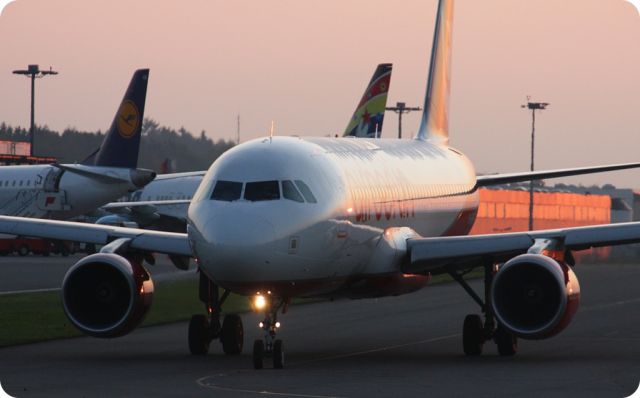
(159, 143)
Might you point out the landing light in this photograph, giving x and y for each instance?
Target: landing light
(259, 303)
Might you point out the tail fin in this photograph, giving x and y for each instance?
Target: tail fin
(434, 125)
(369, 115)
(122, 142)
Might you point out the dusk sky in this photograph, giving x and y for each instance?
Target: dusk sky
(304, 64)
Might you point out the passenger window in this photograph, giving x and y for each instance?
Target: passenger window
(227, 191)
(263, 190)
(290, 192)
(306, 192)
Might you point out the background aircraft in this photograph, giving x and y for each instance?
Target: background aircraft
(369, 114)
(284, 217)
(63, 191)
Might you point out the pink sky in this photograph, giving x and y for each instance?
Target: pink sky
(305, 64)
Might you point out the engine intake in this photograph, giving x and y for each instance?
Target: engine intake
(534, 296)
(106, 295)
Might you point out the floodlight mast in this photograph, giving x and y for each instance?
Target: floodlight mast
(401, 108)
(33, 71)
(533, 106)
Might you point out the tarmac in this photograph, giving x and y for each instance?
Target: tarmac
(406, 346)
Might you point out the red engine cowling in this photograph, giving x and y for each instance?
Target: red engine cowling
(534, 296)
(106, 295)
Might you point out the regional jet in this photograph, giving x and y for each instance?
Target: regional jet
(62, 191)
(283, 217)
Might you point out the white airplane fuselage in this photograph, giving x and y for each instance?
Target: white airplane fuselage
(46, 191)
(371, 195)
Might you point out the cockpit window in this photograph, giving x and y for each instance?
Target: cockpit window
(263, 190)
(290, 192)
(306, 192)
(227, 191)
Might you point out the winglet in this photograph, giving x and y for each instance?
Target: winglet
(369, 114)
(434, 125)
(122, 142)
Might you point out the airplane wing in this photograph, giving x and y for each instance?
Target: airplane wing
(141, 239)
(496, 179)
(444, 254)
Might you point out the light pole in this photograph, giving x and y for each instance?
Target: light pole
(534, 106)
(34, 72)
(401, 108)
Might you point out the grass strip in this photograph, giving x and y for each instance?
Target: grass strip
(33, 317)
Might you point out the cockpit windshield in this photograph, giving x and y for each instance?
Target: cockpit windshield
(306, 192)
(227, 191)
(263, 190)
(230, 191)
(290, 192)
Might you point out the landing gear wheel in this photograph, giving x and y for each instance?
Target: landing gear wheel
(232, 335)
(507, 342)
(278, 354)
(199, 336)
(258, 354)
(472, 335)
(23, 250)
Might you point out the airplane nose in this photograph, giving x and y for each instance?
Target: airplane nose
(238, 229)
(238, 245)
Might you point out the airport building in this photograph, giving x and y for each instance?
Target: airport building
(506, 209)
(16, 153)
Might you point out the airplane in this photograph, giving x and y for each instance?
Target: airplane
(163, 203)
(62, 191)
(278, 218)
(369, 114)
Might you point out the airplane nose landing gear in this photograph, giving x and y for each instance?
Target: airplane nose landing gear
(269, 347)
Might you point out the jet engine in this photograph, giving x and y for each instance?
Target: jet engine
(534, 296)
(107, 295)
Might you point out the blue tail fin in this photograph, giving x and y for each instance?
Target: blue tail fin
(369, 114)
(122, 142)
(434, 125)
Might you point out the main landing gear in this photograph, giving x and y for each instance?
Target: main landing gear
(205, 328)
(269, 347)
(475, 332)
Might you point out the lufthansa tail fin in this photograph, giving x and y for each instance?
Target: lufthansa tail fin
(121, 143)
(369, 114)
(434, 125)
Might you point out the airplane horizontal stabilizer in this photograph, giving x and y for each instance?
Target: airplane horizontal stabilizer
(139, 177)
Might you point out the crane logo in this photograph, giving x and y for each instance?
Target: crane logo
(3, 4)
(636, 4)
(128, 119)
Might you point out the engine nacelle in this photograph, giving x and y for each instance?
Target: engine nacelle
(534, 296)
(106, 295)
